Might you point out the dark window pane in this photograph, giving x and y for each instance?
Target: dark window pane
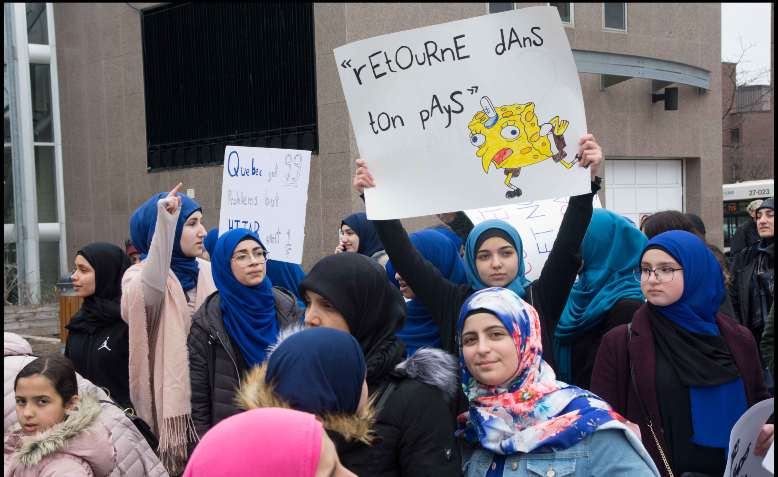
(6, 106)
(734, 136)
(40, 81)
(500, 7)
(36, 24)
(10, 291)
(240, 74)
(49, 263)
(614, 15)
(564, 11)
(45, 184)
(8, 187)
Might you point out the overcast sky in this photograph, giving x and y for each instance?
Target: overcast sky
(747, 24)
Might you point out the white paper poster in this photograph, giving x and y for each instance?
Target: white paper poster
(537, 223)
(468, 114)
(741, 461)
(266, 190)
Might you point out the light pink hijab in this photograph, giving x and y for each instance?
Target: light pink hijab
(265, 441)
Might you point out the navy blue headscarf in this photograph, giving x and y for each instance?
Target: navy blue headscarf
(369, 243)
(450, 234)
(318, 370)
(209, 242)
(249, 313)
(419, 329)
(288, 276)
(142, 224)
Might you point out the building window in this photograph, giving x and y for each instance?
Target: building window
(614, 16)
(734, 137)
(37, 28)
(227, 74)
(500, 7)
(565, 12)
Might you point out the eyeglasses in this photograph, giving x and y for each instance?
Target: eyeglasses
(243, 258)
(662, 274)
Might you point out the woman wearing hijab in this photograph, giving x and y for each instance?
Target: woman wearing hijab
(267, 442)
(605, 295)
(317, 370)
(521, 420)
(159, 296)
(414, 427)
(209, 242)
(494, 258)
(358, 235)
(97, 342)
(232, 330)
(681, 371)
(287, 276)
(420, 330)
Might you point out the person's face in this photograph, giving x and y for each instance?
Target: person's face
(83, 278)
(329, 463)
(38, 405)
(320, 312)
(349, 238)
(404, 288)
(489, 350)
(248, 263)
(135, 258)
(192, 235)
(667, 291)
(764, 223)
(497, 262)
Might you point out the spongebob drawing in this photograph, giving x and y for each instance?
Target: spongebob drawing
(510, 137)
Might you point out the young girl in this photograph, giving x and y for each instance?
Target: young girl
(159, 296)
(521, 420)
(58, 433)
(682, 371)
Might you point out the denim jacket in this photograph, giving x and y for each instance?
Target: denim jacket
(610, 452)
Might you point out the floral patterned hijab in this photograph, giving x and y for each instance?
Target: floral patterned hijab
(535, 410)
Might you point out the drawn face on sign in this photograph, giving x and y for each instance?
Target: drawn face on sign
(511, 137)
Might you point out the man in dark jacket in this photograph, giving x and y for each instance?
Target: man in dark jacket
(751, 289)
(746, 235)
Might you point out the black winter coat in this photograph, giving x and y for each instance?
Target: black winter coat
(216, 365)
(742, 271)
(443, 299)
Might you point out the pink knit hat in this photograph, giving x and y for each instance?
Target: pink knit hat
(263, 442)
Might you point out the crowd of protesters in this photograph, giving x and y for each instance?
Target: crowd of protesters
(634, 352)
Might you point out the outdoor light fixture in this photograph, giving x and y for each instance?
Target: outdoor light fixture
(670, 97)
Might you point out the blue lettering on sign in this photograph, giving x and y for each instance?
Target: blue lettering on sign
(235, 169)
(252, 225)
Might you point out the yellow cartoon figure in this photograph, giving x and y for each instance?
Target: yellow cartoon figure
(510, 137)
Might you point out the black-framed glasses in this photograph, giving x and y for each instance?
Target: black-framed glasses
(243, 258)
(662, 274)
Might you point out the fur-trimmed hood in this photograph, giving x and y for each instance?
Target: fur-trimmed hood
(434, 367)
(81, 435)
(255, 393)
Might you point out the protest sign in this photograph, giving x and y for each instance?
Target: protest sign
(266, 190)
(741, 461)
(468, 114)
(537, 223)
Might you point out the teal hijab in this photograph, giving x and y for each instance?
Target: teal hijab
(520, 283)
(611, 249)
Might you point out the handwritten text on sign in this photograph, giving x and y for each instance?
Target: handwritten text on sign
(266, 190)
(537, 223)
(468, 114)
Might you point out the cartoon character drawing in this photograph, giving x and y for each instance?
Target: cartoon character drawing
(510, 137)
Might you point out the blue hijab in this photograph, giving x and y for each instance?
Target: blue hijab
(450, 234)
(419, 329)
(714, 409)
(249, 313)
(519, 283)
(288, 276)
(369, 243)
(142, 224)
(209, 242)
(318, 370)
(610, 250)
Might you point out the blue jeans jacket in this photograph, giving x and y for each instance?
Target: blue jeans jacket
(609, 452)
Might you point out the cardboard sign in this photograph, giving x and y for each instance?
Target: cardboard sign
(468, 114)
(537, 223)
(741, 461)
(266, 190)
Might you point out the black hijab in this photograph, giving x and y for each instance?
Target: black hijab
(103, 307)
(373, 308)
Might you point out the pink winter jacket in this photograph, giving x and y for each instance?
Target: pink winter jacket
(134, 457)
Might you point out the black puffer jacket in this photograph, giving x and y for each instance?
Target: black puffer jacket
(216, 366)
(414, 426)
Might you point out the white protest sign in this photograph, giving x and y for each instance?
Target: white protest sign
(769, 459)
(266, 190)
(468, 114)
(537, 223)
(741, 461)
